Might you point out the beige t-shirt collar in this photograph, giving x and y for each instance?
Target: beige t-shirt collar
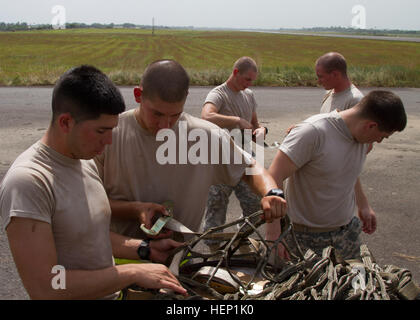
(61, 158)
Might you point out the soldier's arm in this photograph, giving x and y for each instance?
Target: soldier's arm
(280, 169)
(34, 252)
(211, 113)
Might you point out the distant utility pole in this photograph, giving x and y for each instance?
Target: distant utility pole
(153, 26)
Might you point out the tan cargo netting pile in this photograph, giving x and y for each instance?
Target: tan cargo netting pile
(243, 266)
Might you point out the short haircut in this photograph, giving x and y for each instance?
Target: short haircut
(244, 64)
(166, 80)
(333, 61)
(86, 93)
(385, 108)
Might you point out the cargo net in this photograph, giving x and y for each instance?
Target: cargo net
(244, 266)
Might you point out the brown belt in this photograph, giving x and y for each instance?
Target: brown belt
(302, 228)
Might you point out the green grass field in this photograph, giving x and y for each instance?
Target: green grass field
(40, 57)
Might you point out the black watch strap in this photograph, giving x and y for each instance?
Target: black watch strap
(144, 250)
(275, 192)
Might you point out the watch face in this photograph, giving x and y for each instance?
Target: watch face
(276, 192)
(144, 250)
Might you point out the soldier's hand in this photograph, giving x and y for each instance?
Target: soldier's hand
(156, 276)
(148, 213)
(274, 207)
(161, 248)
(259, 132)
(243, 124)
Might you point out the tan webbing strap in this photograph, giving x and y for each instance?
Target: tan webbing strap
(410, 291)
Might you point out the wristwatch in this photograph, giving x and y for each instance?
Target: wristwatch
(144, 250)
(275, 192)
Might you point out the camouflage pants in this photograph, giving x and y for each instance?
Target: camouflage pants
(218, 200)
(345, 240)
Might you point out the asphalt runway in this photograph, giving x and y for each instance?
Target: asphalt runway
(348, 36)
(391, 176)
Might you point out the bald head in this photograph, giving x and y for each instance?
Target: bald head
(166, 80)
(333, 61)
(244, 64)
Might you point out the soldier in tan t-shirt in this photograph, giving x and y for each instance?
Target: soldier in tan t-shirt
(331, 70)
(232, 105)
(153, 159)
(56, 212)
(321, 158)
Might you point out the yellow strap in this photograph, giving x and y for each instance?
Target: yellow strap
(119, 261)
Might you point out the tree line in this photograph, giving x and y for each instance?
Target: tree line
(23, 26)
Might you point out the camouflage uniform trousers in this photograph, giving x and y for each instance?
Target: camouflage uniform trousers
(218, 200)
(345, 240)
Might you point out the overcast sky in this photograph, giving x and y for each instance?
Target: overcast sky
(273, 14)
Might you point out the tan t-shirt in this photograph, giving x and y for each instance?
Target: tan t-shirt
(321, 192)
(229, 103)
(131, 170)
(45, 185)
(342, 100)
